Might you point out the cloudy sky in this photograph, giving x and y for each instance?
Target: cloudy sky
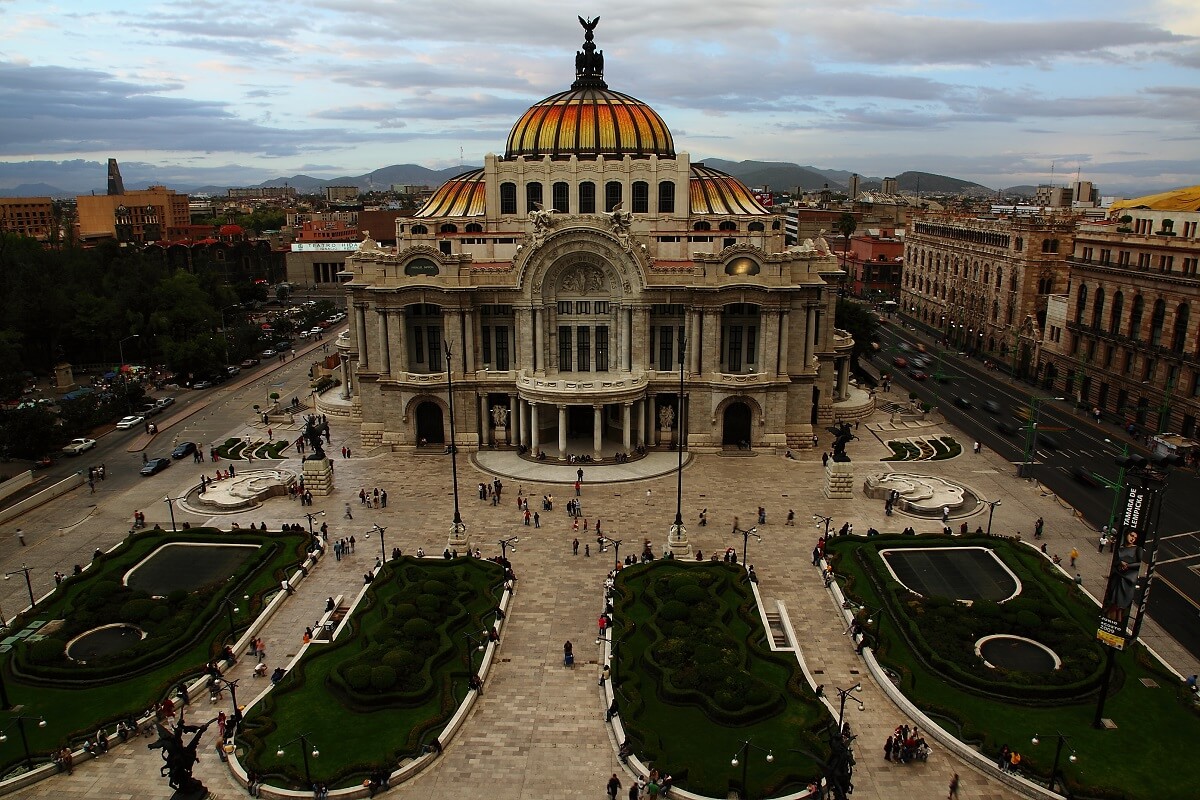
(215, 91)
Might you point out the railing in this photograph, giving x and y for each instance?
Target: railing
(597, 384)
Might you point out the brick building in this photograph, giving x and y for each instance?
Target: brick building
(138, 216)
(27, 216)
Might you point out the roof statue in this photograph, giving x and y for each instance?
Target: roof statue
(589, 62)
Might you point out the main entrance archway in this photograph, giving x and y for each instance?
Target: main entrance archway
(429, 424)
(736, 428)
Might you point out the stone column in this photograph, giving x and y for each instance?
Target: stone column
(781, 358)
(523, 346)
(539, 341)
(345, 369)
(385, 356)
(652, 418)
(626, 437)
(360, 319)
(641, 336)
(512, 418)
(711, 358)
(400, 351)
(810, 336)
(597, 429)
(768, 344)
(624, 326)
(696, 341)
(533, 429)
(562, 432)
(483, 419)
(472, 338)
(843, 378)
(522, 433)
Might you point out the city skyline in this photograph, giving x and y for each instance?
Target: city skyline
(222, 93)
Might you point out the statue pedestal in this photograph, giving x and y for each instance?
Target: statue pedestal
(501, 436)
(666, 437)
(839, 480)
(318, 477)
(457, 540)
(677, 542)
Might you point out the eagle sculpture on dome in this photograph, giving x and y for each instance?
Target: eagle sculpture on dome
(589, 63)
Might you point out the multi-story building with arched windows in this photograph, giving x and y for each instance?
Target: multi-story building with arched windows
(571, 276)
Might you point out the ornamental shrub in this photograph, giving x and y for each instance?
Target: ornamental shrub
(158, 613)
(47, 651)
(428, 603)
(383, 678)
(691, 594)
(1029, 620)
(435, 587)
(137, 610)
(359, 677)
(673, 610)
(418, 628)
(405, 611)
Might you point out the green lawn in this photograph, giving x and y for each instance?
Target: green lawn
(695, 678)
(76, 699)
(1156, 729)
(390, 682)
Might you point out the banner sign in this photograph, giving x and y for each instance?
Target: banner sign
(1128, 553)
(337, 247)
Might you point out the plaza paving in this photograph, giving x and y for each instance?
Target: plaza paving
(538, 731)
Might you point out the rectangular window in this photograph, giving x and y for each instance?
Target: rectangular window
(1148, 369)
(1127, 367)
(502, 348)
(601, 306)
(666, 198)
(1189, 230)
(583, 348)
(1087, 255)
(587, 198)
(485, 343)
(562, 194)
(612, 195)
(508, 198)
(602, 348)
(751, 343)
(533, 196)
(640, 199)
(1143, 261)
(418, 339)
(434, 335)
(564, 348)
(583, 306)
(1105, 256)
(1123, 258)
(1196, 383)
(1166, 263)
(733, 361)
(1108, 355)
(665, 346)
(681, 348)
(565, 307)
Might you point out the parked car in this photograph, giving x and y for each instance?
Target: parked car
(150, 409)
(183, 450)
(918, 375)
(125, 423)
(250, 362)
(269, 353)
(78, 446)
(202, 384)
(964, 402)
(900, 361)
(232, 370)
(1007, 428)
(155, 466)
(992, 407)
(163, 402)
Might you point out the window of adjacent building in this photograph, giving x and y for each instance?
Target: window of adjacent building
(1179, 334)
(1143, 261)
(1105, 256)
(508, 198)
(751, 343)
(1166, 263)
(1114, 320)
(1157, 318)
(418, 340)
(1148, 369)
(1074, 344)
(727, 226)
(419, 230)
(1050, 245)
(1019, 243)
(612, 195)
(474, 227)
(701, 226)
(448, 227)
(600, 306)
(1087, 255)
(1098, 308)
(533, 196)
(639, 196)
(564, 348)
(1189, 230)
(1091, 349)
(666, 197)
(566, 307)
(1123, 258)
(561, 192)
(1109, 351)
(733, 359)
(502, 361)
(583, 306)
(1081, 303)
(602, 348)
(666, 341)
(485, 343)
(728, 242)
(587, 198)
(444, 247)
(1189, 265)
(1196, 383)
(1135, 317)
(1127, 365)
(755, 227)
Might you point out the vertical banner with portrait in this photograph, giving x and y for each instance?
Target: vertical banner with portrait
(1128, 553)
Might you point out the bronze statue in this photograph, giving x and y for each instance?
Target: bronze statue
(844, 435)
(313, 431)
(179, 758)
(589, 62)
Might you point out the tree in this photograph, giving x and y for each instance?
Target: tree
(846, 225)
(856, 320)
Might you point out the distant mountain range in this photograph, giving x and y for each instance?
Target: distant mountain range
(70, 178)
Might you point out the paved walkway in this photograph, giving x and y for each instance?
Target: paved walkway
(538, 731)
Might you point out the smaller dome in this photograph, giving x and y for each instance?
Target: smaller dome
(462, 196)
(713, 192)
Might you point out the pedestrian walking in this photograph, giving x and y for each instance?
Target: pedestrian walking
(537, 520)
(1038, 527)
(348, 514)
(945, 514)
(977, 448)
(953, 795)
(574, 544)
(791, 518)
(614, 786)
(1074, 555)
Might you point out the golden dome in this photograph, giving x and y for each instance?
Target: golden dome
(590, 121)
(461, 196)
(713, 192)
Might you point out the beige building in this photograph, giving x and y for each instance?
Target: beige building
(1132, 344)
(983, 283)
(136, 217)
(27, 216)
(571, 276)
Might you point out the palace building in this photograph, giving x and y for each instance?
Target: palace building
(565, 287)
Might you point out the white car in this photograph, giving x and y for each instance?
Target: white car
(128, 422)
(77, 446)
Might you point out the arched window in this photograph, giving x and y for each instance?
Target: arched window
(1135, 318)
(1114, 319)
(702, 226)
(508, 198)
(640, 197)
(999, 276)
(1012, 283)
(666, 197)
(1181, 324)
(533, 196)
(587, 198)
(1098, 308)
(1157, 318)
(755, 227)
(1050, 245)
(987, 274)
(1081, 304)
(728, 226)
(474, 227)
(561, 197)
(419, 230)
(612, 195)
(995, 310)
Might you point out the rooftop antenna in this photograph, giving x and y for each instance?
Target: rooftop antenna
(1051, 173)
(460, 156)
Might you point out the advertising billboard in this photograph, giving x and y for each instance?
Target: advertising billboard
(1128, 555)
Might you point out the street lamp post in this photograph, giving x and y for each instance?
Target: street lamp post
(1031, 432)
(875, 618)
(746, 534)
(304, 750)
(310, 518)
(171, 506)
(843, 694)
(458, 528)
(741, 758)
(475, 643)
(677, 533)
(28, 582)
(382, 545)
(991, 510)
(215, 683)
(511, 541)
(827, 521)
(20, 720)
(616, 543)
(1062, 739)
(231, 609)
